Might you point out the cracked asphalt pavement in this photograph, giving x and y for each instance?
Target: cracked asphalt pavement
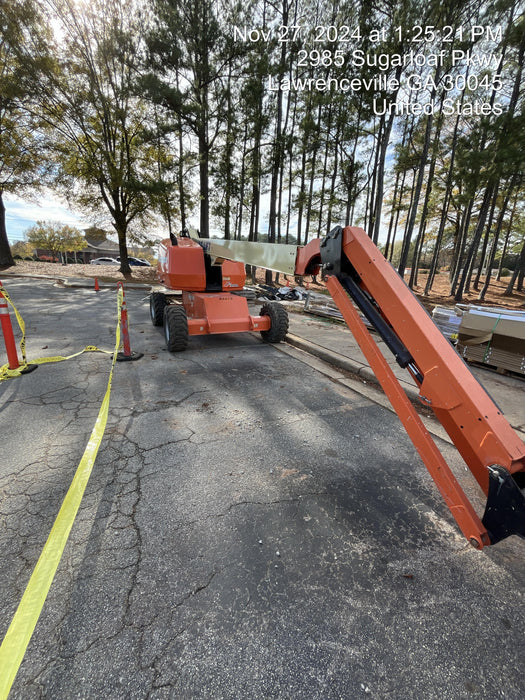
(251, 528)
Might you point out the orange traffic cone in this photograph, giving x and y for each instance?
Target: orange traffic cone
(96, 285)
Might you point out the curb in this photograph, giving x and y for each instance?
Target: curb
(103, 285)
(83, 282)
(345, 363)
(33, 276)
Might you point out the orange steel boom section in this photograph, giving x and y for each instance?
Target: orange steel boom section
(490, 447)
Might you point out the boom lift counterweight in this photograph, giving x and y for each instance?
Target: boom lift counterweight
(357, 271)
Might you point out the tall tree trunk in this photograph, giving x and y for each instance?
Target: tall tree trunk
(351, 182)
(302, 196)
(121, 227)
(417, 192)
(494, 247)
(180, 167)
(281, 172)
(372, 183)
(504, 253)
(392, 216)
(228, 157)
(444, 211)
(509, 226)
(335, 173)
(519, 269)
(405, 248)
(420, 239)
(180, 172)
(290, 176)
(277, 145)
(312, 174)
(473, 249)
(486, 238)
(397, 215)
(460, 247)
(325, 171)
(242, 184)
(204, 181)
(385, 140)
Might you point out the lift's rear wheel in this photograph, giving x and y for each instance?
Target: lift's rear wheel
(157, 304)
(278, 320)
(176, 327)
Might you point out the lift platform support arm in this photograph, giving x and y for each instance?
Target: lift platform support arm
(491, 449)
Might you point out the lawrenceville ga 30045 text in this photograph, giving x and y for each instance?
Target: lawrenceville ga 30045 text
(382, 83)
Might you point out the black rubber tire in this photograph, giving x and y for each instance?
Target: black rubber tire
(176, 328)
(157, 304)
(279, 322)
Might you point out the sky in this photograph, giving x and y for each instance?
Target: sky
(21, 215)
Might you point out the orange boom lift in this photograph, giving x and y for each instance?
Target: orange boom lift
(210, 303)
(208, 271)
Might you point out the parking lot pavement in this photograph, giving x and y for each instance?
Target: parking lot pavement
(334, 343)
(251, 529)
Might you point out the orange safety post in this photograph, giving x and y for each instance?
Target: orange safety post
(127, 355)
(9, 339)
(7, 330)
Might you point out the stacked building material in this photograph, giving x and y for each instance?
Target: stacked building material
(493, 336)
(447, 320)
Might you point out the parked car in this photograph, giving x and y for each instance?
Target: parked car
(104, 261)
(137, 261)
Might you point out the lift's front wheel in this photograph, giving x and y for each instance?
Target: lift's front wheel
(157, 304)
(278, 322)
(176, 328)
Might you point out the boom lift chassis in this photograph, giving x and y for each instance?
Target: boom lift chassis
(495, 455)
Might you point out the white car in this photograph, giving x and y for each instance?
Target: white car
(104, 261)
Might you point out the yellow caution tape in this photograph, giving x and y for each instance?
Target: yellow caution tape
(24, 621)
(6, 373)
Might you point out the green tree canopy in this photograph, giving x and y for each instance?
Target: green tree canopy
(22, 146)
(57, 238)
(102, 140)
